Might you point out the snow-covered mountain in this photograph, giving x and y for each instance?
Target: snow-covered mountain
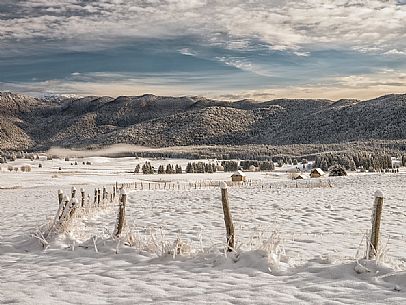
(71, 121)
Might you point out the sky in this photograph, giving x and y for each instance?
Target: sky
(235, 49)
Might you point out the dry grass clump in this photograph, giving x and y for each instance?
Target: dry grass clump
(26, 168)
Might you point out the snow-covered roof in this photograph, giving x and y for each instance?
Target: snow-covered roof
(238, 173)
(318, 170)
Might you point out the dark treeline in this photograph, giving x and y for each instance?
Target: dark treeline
(12, 156)
(263, 152)
(260, 165)
(147, 168)
(192, 167)
(201, 167)
(352, 161)
(262, 157)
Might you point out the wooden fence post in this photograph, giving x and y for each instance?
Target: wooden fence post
(73, 192)
(121, 213)
(66, 200)
(376, 225)
(74, 205)
(227, 217)
(82, 192)
(60, 196)
(62, 203)
(104, 195)
(98, 197)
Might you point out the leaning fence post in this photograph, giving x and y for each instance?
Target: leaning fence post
(376, 225)
(121, 213)
(227, 217)
(66, 200)
(61, 206)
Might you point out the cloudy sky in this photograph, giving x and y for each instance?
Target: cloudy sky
(230, 49)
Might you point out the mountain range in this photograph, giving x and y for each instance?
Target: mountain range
(30, 123)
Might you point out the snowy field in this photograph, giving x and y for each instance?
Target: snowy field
(296, 244)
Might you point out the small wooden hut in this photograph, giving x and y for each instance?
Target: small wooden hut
(298, 176)
(238, 176)
(316, 173)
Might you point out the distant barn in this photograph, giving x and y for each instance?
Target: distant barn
(238, 176)
(316, 173)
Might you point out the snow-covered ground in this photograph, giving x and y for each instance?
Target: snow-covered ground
(295, 245)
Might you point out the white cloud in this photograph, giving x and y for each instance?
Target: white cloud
(187, 51)
(374, 25)
(244, 65)
(386, 77)
(395, 52)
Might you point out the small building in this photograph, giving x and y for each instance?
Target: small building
(252, 168)
(238, 176)
(297, 176)
(316, 173)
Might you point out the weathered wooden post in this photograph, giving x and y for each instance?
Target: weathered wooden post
(62, 202)
(227, 217)
(121, 213)
(60, 196)
(73, 192)
(104, 193)
(74, 206)
(95, 196)
(82, 192)
(114, 192)
(98, 197)
(66, 200)
(376, 225)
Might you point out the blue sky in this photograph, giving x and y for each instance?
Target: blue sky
(221, 49)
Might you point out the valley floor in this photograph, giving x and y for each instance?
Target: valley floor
(297, 243)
